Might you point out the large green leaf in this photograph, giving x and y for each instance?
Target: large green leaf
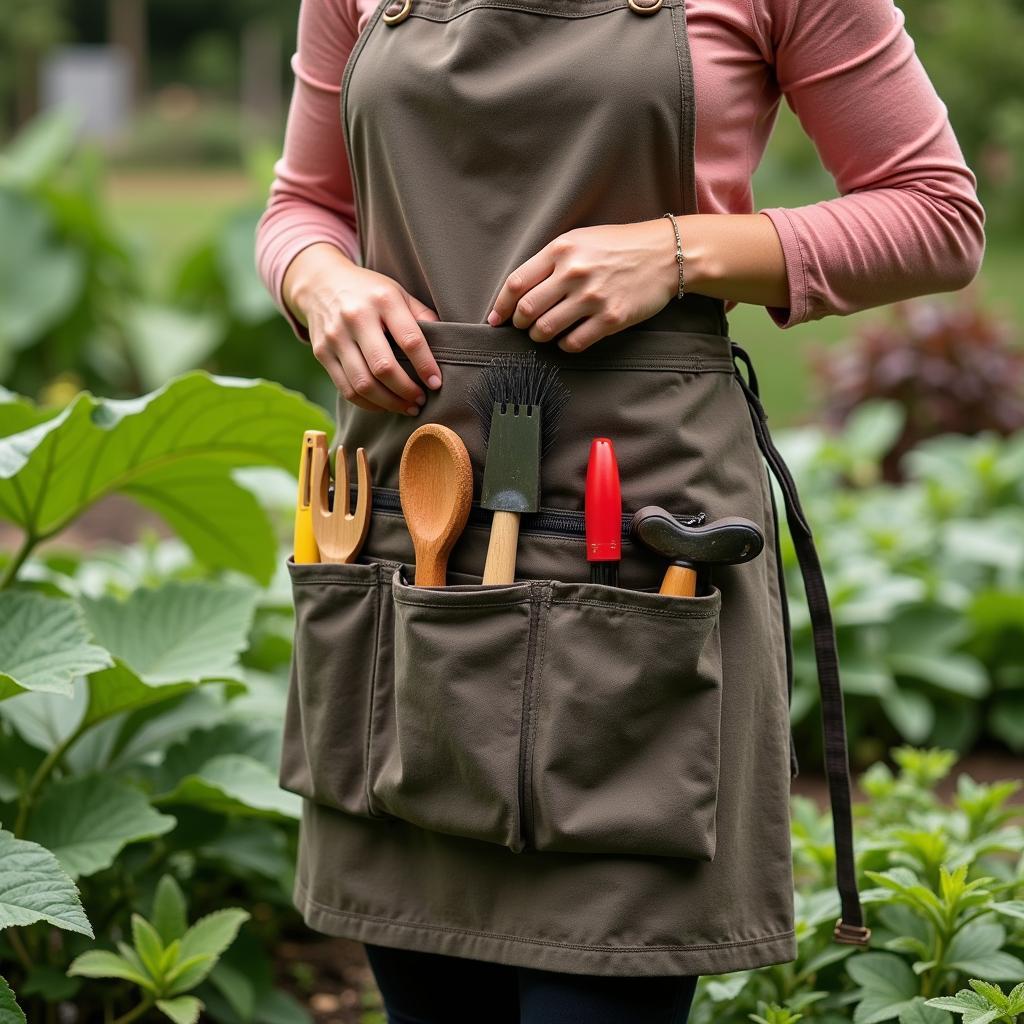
(86, 822)
(18, 413)
(119, 689)
(920, 1013)
(887, 983)
(172, 450)
(40, 279)
(39, 149)
(248, 298)
(34, 887)
(165, 341)
(235, 784)
(178, 632)
(10, 1011)
(44, 644)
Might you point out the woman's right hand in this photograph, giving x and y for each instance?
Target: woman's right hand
(345, 308)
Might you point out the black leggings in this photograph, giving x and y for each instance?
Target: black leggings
(430, 988)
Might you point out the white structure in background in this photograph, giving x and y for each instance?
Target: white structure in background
(94, 82)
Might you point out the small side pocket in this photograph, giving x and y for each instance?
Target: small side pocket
(461, 657)
(337, 620)
(626, 723)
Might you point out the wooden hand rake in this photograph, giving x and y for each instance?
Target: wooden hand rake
(339, 533)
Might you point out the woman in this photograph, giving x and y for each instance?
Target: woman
(572, 177)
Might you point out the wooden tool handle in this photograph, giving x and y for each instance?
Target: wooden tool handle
(431, 569)
(500, 566)
(679, 581)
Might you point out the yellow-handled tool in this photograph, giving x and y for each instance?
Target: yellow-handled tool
(305, 546)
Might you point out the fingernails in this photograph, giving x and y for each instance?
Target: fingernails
(433, 381)
(492, 318)
(421, 398)
(413, 410)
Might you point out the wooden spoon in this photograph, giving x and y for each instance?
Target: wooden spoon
(435, 484)
(339, 534)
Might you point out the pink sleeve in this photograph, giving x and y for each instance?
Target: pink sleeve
(311, 196)
(907, 221)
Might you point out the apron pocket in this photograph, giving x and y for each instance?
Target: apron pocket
(626, 722)
(461, 656)
(338, 619)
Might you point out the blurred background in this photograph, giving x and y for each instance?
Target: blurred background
(137, 139)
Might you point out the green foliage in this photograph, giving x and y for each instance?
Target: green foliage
(78, 311)
(985, 1003)
(10, 1012)
(925, 579)
(138, 750)
(160, 451)
(941, 887)
(165, 965)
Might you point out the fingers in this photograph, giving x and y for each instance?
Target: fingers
(373, 373)
(521, 280)
(593, 329)
(409, 337)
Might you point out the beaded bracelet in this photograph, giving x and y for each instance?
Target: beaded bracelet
(679, 252)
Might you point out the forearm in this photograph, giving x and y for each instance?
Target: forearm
(736, 257)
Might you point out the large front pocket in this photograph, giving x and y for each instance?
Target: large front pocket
(625, 723)
(340, 617)
(461, 661)
(552, 716)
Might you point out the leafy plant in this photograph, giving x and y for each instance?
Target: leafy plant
(925, 580)
(941, 913)
(951, 365)
(136, 744)
(167, 959)
(985, 1003)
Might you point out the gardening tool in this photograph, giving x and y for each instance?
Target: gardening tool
(519, 401)
(339, 534)
(304, 547)
(603, 513)
(724, 541)
(435, 484)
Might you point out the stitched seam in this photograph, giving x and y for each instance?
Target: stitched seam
(692, 364)
(478, 604)
(334, 911)
(538, 677)
(338, 581)
(637, 608)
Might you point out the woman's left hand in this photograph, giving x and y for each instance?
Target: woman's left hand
(608, 277)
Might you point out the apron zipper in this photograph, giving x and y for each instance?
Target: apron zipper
(562, 521)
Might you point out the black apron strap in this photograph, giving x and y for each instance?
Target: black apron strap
(850, 927)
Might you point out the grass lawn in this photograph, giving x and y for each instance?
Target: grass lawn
(169, 213)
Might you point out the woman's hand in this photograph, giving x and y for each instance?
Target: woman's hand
(346, 308)
(610, 275)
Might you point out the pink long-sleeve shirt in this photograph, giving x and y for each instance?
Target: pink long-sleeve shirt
(907, 220)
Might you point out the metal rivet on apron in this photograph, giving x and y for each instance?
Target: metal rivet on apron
(644, 8)
(399, 11)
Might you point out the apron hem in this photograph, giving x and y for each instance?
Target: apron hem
(547, 954)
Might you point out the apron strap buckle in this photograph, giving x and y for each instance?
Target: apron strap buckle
(852, 934)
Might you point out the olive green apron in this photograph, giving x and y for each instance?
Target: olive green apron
(552, 773)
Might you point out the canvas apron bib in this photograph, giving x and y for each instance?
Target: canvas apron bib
(552, 773)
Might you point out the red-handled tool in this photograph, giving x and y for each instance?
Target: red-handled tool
(603, 513)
